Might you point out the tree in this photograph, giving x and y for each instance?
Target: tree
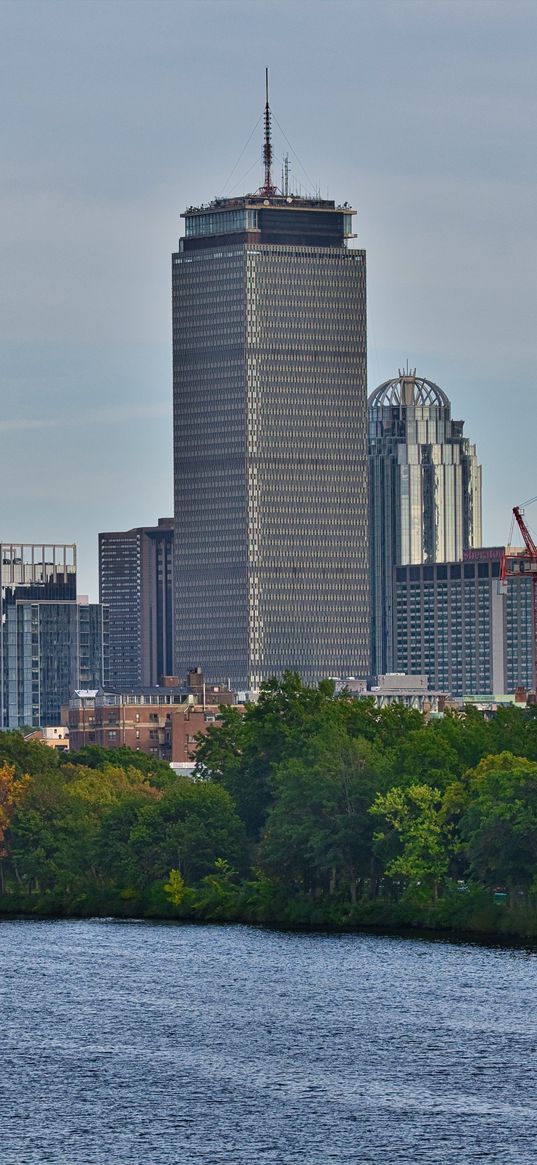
(57, 829)
(467, 734)
(415, 816)
(318, 834)
(242, 753)
(508, 732)
(384, 727)
(423, 757)
(175, 888)
(498, 823)
(28, 756)
(12, 792)
(94, 756)
(192, 825)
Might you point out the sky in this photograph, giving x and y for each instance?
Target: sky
(117, 114)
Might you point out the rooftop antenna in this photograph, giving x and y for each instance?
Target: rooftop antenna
(285, 175)
(268, 188)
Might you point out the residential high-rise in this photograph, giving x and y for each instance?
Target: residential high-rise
(136, 583)
(51, 642)
(425, 492)
(270, 443)
(462, 626)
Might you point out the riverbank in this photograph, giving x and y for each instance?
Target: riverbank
(462, 916)
(321, 813)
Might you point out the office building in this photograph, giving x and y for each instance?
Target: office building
(425, 492)
(270, 443)
(463, 627)
(136, 584)
(51, 641)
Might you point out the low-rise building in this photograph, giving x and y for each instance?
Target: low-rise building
(396, 688)
(162, 721)
(54, 736)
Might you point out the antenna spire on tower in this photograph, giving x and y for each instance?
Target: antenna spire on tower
(268, 188)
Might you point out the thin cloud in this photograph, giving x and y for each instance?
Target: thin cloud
(94, 416)
(21, 424)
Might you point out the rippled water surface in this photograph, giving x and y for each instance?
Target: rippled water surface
(141, 1044)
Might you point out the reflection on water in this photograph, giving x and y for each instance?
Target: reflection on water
(144, 1044)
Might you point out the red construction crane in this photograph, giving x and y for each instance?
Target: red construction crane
(521, 565)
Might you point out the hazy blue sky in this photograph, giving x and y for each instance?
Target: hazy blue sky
(119, 113)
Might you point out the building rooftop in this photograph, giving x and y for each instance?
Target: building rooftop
(407, 390)
(270, 214)
(267, 217)
(260, 198)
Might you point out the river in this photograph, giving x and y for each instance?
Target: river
(131, 1043)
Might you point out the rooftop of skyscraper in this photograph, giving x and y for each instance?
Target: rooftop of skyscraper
(27, 563)
(252, 215)
(406, 390)
(275, 198)
(268, 218)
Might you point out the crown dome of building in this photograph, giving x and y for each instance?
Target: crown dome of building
(407, 390)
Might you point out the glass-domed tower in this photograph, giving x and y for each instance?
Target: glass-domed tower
(425, 491)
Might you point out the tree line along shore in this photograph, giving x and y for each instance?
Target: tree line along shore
(309, 809)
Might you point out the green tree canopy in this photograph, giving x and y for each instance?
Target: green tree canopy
(498, 823)
(414, 815)
(318, 833)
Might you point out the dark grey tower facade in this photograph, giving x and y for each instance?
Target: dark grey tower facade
(136, 584)
(270, 441)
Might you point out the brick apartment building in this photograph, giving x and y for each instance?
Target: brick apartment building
(162, 721)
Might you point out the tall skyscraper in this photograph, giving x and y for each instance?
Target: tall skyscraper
(270, 442)
(425, 492)
(136, 584)
(51, 642)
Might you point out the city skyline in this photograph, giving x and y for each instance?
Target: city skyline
(439, 168)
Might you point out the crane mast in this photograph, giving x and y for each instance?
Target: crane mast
(531, 548)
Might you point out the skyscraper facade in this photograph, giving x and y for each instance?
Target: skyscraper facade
(136, 584)
(425, 492)
(270, 442)
(51, 642)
